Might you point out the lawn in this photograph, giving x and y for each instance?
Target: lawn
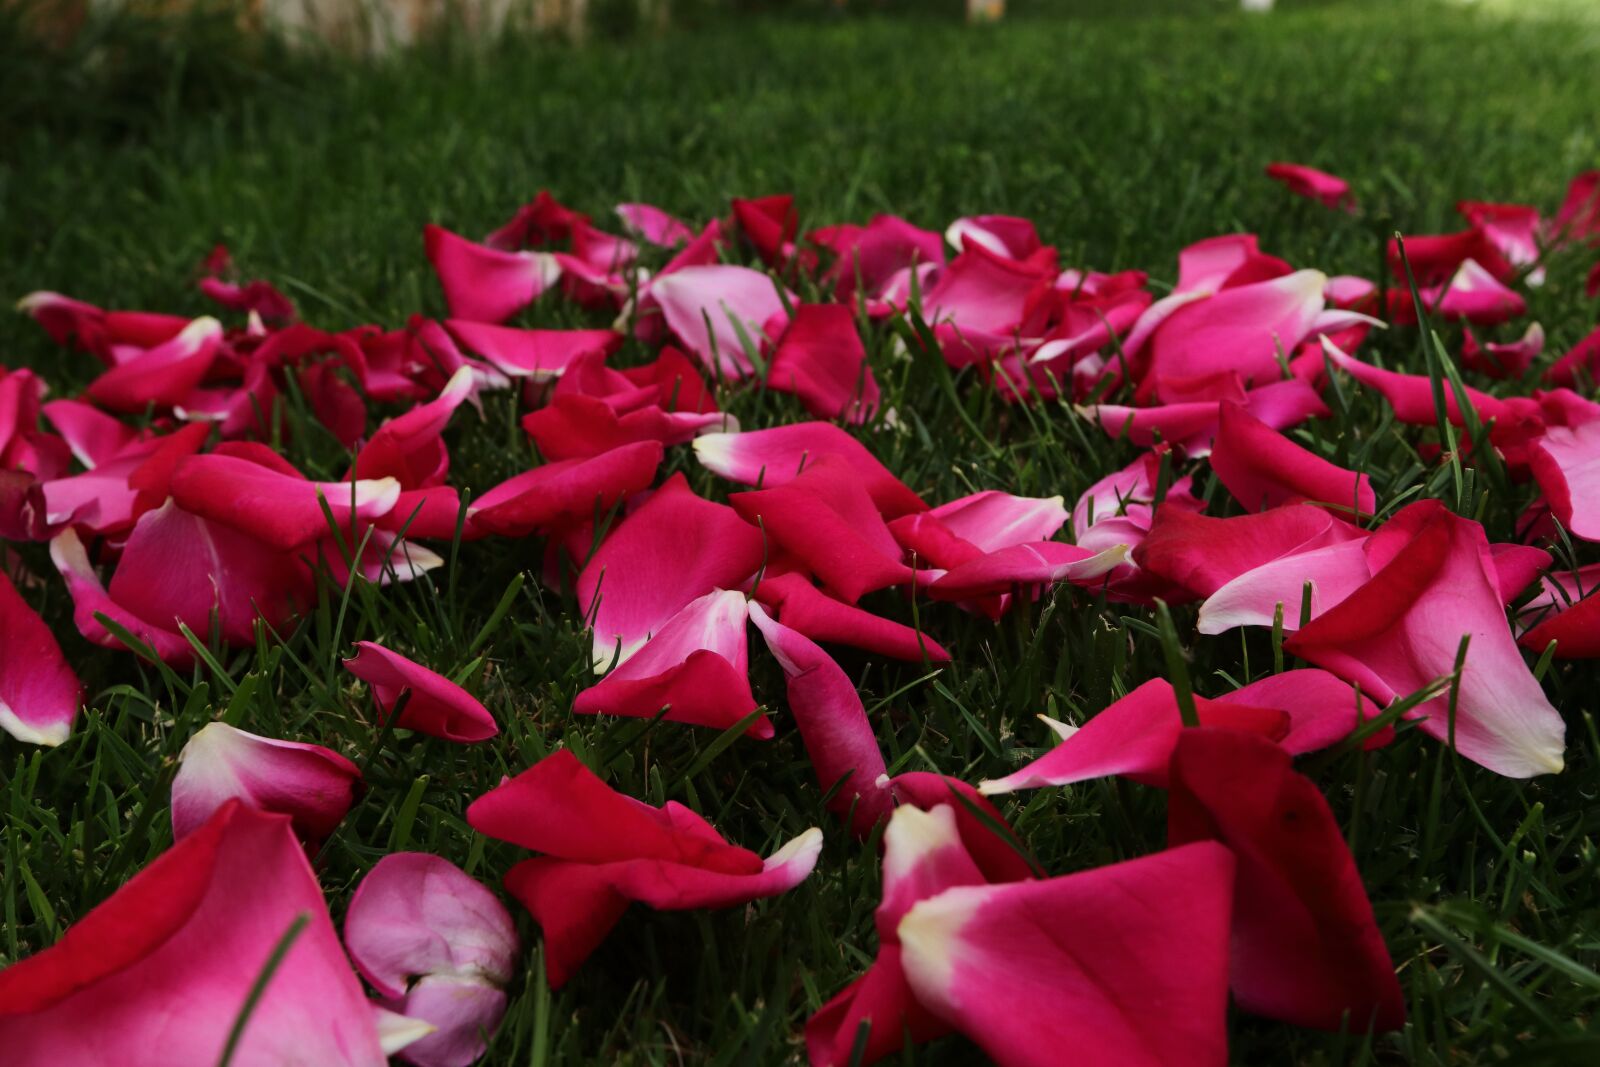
(1124, 135)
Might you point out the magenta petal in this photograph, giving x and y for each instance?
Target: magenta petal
(484, 284)
(649, 223)
(410, 448)
(280, 510)
(536, 354)
(89, 599)
(1321, 708)
(156, 974)
(1133, 737)
(826, 519)
(801, 606)
(179, 567)
(821, 360)
(436, 706)
(923, 855)
(1035, 563)
(570, 491)
(1330, 190)
(416, 915)
(775, 457)
(833, 725)
(163, 375)
(1241, 329)
(696, 665)
(1263, 469)
(1030, 969)
(1305, 947)
(993, 845)
(675, 548)
(1254, 597)
(1411, 395)
(312, 785)
(94, 436)
(461, 1010)
(39, 693)
(1202, 553)
(605, 849)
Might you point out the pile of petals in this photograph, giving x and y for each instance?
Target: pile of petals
(179, 529)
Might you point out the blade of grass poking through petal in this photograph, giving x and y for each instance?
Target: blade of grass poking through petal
(1177, 666)
(270, 968)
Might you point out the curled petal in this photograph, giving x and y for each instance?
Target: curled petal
(436, 705)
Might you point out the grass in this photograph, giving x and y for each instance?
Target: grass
(1124, 136)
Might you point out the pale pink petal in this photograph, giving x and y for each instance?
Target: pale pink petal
(702, 305)
(416, 914)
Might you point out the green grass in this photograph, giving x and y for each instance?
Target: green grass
(1125, 136)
